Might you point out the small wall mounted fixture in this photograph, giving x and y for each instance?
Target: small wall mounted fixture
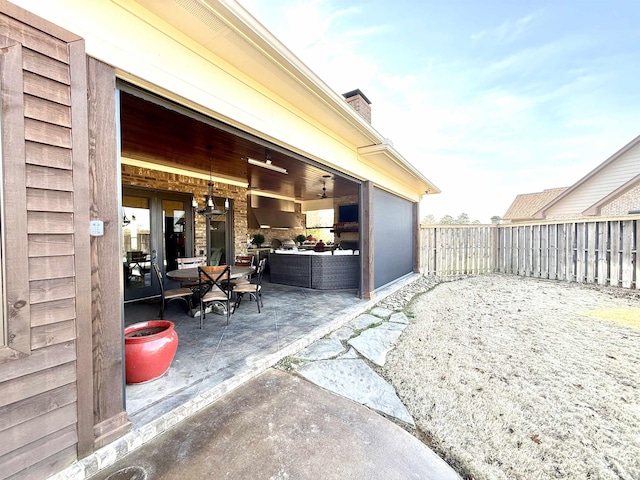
(267, 163)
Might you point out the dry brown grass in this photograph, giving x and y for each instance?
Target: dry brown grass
(507, 380)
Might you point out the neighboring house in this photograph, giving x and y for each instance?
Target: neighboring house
(110, 105)
(610, 190)
(525, 205)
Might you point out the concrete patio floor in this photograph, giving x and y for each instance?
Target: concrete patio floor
(217, 359)
(221, 356)
(279, 426)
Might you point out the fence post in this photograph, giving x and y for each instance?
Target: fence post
(627, 246)
(553, 251)
(562, 251)
(614, 257)
(569, 251)
(603, 264)
(636, 235)
(544, 251)
(580, 252)
(592, 240)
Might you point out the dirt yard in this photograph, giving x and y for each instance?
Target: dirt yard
(517, 378)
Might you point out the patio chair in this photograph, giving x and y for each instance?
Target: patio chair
(190, 262)
(243, 261)
(253, 289)
(138, 267)
(212, 281)
(166, 296)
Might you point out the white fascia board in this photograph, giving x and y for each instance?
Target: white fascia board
(386, 156)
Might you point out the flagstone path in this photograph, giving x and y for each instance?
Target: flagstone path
(344, 361)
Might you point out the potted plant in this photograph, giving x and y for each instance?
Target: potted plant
(300, 239)
(149, 348)
(258, 239)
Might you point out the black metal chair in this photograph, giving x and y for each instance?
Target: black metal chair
(253, 289)
(212, 282)
(243, 261)
(166, 296)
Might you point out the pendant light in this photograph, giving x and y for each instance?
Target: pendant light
(210, 209)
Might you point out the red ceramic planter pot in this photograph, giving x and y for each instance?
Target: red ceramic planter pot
(149, 348)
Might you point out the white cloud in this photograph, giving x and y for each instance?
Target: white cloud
(507, 32)
(520, 108)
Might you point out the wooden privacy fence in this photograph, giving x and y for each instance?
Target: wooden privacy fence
(602, 251)
(458, 249)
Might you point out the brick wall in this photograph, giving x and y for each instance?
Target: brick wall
(360, 105)
(623, 204)
(148, 178)
(276, 234)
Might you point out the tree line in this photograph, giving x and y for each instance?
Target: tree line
(462, 219)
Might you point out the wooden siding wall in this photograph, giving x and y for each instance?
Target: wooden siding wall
(108, 419)
(38, 405)
(601, 252)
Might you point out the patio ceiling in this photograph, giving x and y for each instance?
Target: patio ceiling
(154, 133)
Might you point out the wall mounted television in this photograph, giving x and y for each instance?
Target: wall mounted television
(348, 213)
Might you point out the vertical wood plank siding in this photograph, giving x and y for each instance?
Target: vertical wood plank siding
(109, 420)
(459, 250)
(38, 406)
(366, 226)
(599, 251)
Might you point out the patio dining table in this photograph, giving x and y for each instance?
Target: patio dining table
(192, 275)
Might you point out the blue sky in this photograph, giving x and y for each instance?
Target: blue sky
(487, 99)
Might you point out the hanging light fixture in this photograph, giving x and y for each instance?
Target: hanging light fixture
(210, 209)
(125, 220)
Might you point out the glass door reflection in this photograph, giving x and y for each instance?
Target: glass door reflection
(136, 246)
(157, 227)
(174, 235)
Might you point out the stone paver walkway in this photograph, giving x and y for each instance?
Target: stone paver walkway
(342, 363)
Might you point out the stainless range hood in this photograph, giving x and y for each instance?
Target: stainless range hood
(265, 212)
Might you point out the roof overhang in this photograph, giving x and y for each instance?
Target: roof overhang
(230, 32)
(240, 53)
(384, 157)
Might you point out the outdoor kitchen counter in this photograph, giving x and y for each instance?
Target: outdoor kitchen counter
(323, 271)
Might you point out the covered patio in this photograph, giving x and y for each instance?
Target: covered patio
(159, 111)
(166, 165)
(217, 358)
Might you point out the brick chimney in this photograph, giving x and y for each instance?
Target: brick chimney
(359, 103)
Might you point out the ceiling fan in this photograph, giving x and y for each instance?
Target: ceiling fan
(324, 190)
